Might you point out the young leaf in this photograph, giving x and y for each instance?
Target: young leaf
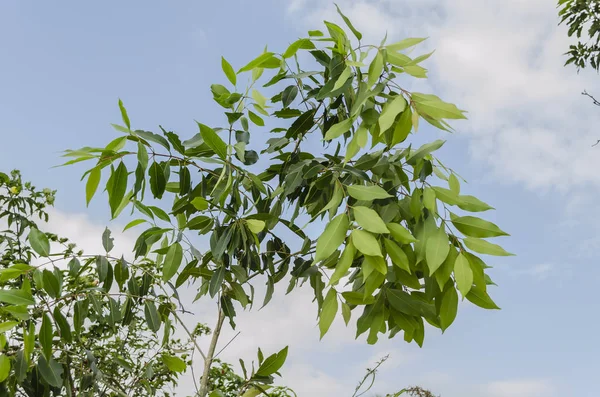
(328, 311)
(481, 298)
(124, 115)
(472, 204)
(390, 111)
(175, 364)
(454, 184)
(172, 261)
(272, 363)
(369, 220)
(228, 70)
(424, 151)
(4, 367)
(436, 249)
(463, 274)
(92, 184)
(476, 227)
(397, 256)
(485, 247)
(400, 233)
(256, 226)
(262, 58)
(357, 34)
(343, 265)
(404, 44)
(338, 129)
(367, 193)
(332, 237)
(366, 243)
(375, 69)
(39, 242)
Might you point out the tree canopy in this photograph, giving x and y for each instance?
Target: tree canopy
(309, 177)
(583, 19)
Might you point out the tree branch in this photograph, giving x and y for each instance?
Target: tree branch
(210, 354)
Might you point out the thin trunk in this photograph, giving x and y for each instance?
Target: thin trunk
(210, 355)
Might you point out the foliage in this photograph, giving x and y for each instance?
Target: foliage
(395, 248)
(583, 19)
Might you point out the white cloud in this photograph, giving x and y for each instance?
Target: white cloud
(502, 62)
(520, 388)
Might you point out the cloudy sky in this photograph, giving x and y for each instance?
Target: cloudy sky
(526, 149)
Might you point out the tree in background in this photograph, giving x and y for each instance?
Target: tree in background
(222, 214)
(583, 19)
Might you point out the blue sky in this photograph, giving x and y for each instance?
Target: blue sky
(525, 150)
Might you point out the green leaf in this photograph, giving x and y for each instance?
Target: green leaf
(39, 242)
(4, 367)
(344, 263)
(305, 44)
(424, 151)
(481, 298)
(357, 298)
(434, 107)
(375, 69)
(454, 184)
(336, 199)
(367, 193)
(390, 111)
(216, 281)
(366, 243)
(448, 307)
(463, 274)
(302, 124)
(158, 181)
(397, 255)
(436, 249)
(92, 184)
(288, 95)
(272, 363)
(172, 261)
(342, 78)
(152, 317)
(133, 223)
(256, 62)
(51, 371)
(256, 119)
(485, 247)
(472, 204)
(400, 233)
(118, 187)
(46, 335)
(8, 325)
(213, 141)
(357, 34)
(256, 226)
(63, 325)
(446, 195)
(338, 129)
(369, 220)
(124, 115)
(174, 363)
(200, 203)
(404, 44)
(51, 284)
(228, 70)
(332, 237)
(17, 297)
(404, 302)
(107, 240)
(346, 313)
(476, 227)
(328, 311)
